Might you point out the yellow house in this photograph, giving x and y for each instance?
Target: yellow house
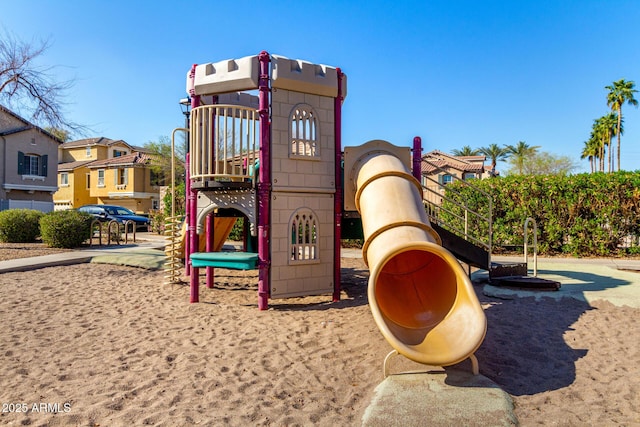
(105, 171)
(73, 185)
(439, 169)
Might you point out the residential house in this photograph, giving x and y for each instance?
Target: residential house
(106, 171)
(440, 169)
(28, 167)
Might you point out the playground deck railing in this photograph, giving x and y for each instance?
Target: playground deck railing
(224, 143)
(449, 212)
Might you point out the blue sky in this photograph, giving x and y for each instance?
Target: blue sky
(453, 72)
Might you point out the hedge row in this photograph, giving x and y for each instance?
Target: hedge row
(58, 229)
(582, 215)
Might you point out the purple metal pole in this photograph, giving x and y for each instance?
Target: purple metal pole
(209, 248)
(187, 216)
(195, 101)
(417, 158)
(264, 185)
(337, 203)
(193, 241)
(192, 212)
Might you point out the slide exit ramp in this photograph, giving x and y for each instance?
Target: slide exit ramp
(421, 299)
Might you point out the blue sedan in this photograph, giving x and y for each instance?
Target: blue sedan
(121, 214)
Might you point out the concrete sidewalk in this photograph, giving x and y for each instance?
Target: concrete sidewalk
(585, 279)
(143, 243)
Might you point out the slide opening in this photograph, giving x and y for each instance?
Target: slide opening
(415, 289)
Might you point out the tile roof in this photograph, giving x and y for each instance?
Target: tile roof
(69, 166)
(101, 140)
(27, 126)
(132, 159)
(435, 160)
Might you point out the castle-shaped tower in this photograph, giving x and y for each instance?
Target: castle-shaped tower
(265, 143)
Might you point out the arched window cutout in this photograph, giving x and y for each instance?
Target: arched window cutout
(304, 132)
(303, 229)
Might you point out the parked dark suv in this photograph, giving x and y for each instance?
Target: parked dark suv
(119, 213)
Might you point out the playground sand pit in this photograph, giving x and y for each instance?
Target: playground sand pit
(96, 344)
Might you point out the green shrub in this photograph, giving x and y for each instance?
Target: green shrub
(237, 232)
(581, 215)
(65, 229)
(180, 198)
(158, 219)
(20, 225)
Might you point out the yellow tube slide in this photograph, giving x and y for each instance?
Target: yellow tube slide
(420, 296)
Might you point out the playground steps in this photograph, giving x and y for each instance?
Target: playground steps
(231, 260)
(526, 282)
(464, 250)
(515, 275)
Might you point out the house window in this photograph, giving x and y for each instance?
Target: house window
(121, 177)
(304, 132)
(32, 164)
(88, 152)
(100, 177)
(468, 175)
(303, 227)
(446, 179)
(118, 153)
(64, 179)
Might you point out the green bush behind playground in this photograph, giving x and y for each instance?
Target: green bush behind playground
(58, 229)
(581, 215)
(20, 225)
(65, 229)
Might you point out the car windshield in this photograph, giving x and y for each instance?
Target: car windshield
(118, 210)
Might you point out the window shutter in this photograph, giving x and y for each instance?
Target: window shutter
(126, 176)
(115, 176)
(45, 162)
(440, 178)
(20, 163)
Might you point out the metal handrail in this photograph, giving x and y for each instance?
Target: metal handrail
(433, 210)
(535, 244)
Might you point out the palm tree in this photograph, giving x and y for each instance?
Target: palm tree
(466, 151)
(590, 151)
(519, 153)
(494, 153)
(609, 125)
(605, 128)
(598, 135)
(620, 91)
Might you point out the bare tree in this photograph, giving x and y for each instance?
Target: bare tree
(28, 88)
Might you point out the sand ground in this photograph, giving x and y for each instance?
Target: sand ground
(104, 345)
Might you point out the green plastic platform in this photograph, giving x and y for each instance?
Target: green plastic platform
(232, 260)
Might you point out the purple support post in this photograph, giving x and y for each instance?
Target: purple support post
(191, 209)
(337, 203)
(264, 185)
(192, 238)
(187, 216)
(209, 248)
(417, 158)
(195, 101)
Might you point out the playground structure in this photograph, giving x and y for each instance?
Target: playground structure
(276, 160)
